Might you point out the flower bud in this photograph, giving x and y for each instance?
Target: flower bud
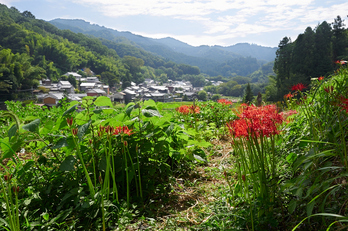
(74, 131)
(15, 189)
(7, 177)
(243, 178)
(69, 121)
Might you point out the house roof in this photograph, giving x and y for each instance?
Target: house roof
(54, 95)
(73, 74)
(129, 92)
(92, 78)
(87, 84)
(189, 93)
(64, 83)
(66, 86)
(99, 91)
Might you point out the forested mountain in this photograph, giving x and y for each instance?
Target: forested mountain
(32, 49)
(313, 54)
(209, 59)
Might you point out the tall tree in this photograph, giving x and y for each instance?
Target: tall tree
(323, 50)
(282, 66)
(339, 39)
(248, 96)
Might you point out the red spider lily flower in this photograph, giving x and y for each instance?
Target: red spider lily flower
(321, 78)
(122, 130)
(329, 89)
(298, 87)
(69, 121)
(256, 122)
(288, 96)
(194, 109)
(224, 102)
(342, 62)
(185, 109)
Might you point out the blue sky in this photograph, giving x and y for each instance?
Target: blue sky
(196, 22)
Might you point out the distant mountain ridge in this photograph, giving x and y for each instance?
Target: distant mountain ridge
(207, 58)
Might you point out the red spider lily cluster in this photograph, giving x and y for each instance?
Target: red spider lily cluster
(185, 109)
(256, 122)
(298, 87)
(288, 96)
(224, 102)
(342, 62)
(123, 130)
(120, 130)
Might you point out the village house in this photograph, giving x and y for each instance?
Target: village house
(77, 76)
(87, 86)
(65, 86)
(96, 92)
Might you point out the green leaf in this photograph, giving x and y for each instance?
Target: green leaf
(47, 128)
(30, 118)
(129, 110)
(83, 129)
(291, 158)
(45, 216)
(170, 129)
(150, 102)
(151, 113)
(310, 207)
(103, 101)
(72, 109)
(68, 164)
(292, 206)
(33, 126)
(12, 131)
(108, 111)
(8, 149)
(61, 143)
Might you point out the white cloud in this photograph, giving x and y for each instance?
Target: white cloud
(8, 3)
(237, 17)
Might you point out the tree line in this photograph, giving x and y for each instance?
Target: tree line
(313, 54)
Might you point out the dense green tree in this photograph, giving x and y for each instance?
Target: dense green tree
(109, 78)
(211, 88)
(215, 97)
(17, 74)
(323, 50)
(282, 66)
(226, 88)
(202, 95)
(134, 65)
(303, 57)
(248, 96)
(72, 80)
(339, 39)
(196, 80)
